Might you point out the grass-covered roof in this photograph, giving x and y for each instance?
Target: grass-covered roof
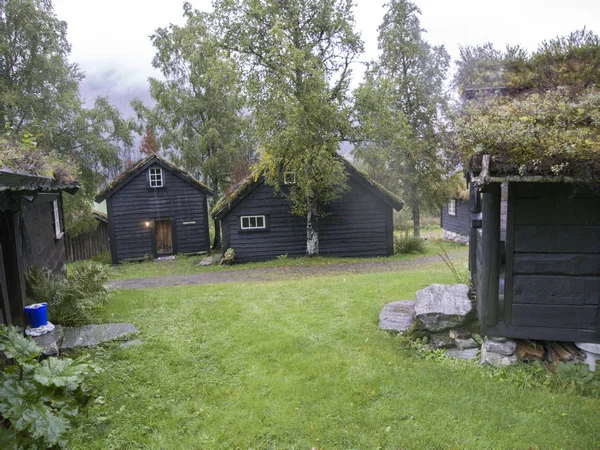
(534, 114)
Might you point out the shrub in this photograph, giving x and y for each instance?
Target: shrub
(75, 299)
(228, 257)
(103, 258)
(38, 399)
(409, 244)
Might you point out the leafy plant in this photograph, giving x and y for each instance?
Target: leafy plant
(38, 399)
(103, 258)
(74, 299)
(409, 244)
(580, 378)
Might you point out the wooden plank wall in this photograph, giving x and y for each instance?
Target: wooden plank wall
(556, 259)
(358, 224)
(136, 203)
(461, 222)
(87, 245)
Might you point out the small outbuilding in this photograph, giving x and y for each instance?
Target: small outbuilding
(156, 209)
(545, 283)
(32, 233)
(455, 219)
(258, 224)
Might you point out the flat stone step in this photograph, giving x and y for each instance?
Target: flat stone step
(397, 316)
(92, 335)
(50, 341)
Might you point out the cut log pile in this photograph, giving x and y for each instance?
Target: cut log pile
(549, 352)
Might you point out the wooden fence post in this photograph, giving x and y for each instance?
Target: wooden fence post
(491, 254)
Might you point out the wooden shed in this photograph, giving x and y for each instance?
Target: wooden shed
(31, 234)
(156, 209)
(455, 219)
(258, 224)
(546, 284)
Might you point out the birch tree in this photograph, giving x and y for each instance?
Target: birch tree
(297, 60)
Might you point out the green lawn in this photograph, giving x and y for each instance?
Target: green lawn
(301, 364)
(186, 265)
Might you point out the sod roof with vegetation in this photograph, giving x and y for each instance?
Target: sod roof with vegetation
(534, 114)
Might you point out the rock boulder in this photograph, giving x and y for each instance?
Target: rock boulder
(440, 307)
(397, 316)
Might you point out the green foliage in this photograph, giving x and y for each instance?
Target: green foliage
(104, 258)
(409, 244)
(39, 96)
(75, 299)
(38, 399)
(228, 257)
(296, 57)
(461, 272)
(547, 122)
(579, 378)
(401, 110)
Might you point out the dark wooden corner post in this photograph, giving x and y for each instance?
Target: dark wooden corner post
(491, 255)
(475, 207)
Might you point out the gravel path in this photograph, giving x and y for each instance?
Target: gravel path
(278, 273)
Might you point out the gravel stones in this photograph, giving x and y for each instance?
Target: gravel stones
(397, 316)
(440, 307)
(465, 344)
(498, 352)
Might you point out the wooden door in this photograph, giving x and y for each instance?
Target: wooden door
(164, 240)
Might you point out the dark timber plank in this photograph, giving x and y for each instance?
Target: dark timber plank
(555, 316)
(558, 239)
(559, 264)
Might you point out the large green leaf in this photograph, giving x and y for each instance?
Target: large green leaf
(7, 439)
(42, 424)
(61, 372)
(16, 346)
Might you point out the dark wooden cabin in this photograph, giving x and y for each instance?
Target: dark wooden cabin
(156, 209)
(31, 234)
(258, 225)
(89, 244)
(546, 285)
(455, 220)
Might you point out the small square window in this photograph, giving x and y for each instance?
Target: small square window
(253, 222)
(289, 177)
(452, 207)
(155, 176)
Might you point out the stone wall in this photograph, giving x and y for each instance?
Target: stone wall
(455, 237)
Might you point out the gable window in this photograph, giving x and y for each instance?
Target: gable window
(253, 222)
(57, 225)
(156, 177)
(289, 178)
(452, 207)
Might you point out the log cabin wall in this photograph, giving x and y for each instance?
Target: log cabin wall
(457, 226)
(357, 224)
(553, 263)
(136, 203)
(88, 245)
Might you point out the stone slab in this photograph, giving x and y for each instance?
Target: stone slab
(468, 354)
(92, 335)
(465, 344)
(132, 343)
(442, 341)
(501, 346)
(440, 307)
(397, 316)
(459, 334)
(496, 359)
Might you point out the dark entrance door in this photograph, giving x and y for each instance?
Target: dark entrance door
(164, 240)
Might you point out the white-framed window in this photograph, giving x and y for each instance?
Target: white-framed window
(289, 177)
(156, 177)
(57, 225)
(452, 207)
(253, 222)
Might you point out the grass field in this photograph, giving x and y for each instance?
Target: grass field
(301, 364)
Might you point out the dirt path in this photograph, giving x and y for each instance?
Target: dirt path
(278, 273)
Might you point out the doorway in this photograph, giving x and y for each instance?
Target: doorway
(164, 237)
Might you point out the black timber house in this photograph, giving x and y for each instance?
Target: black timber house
(156, 209)
(455, 219)
(32, 234)
(257, 223)
(544, 283)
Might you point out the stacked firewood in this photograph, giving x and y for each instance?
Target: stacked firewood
(549, 352)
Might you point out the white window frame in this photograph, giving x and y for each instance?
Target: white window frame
(452, 207)
(58, 233)
(256, 219)
(155, 177)
(286, 177)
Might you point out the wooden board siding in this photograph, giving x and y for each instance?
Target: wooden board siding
(88, 245)
(40, 246)
(556, 262)
(461, 222)
(359, 224)
(137, 203)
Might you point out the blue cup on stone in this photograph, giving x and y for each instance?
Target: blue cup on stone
(37, 314)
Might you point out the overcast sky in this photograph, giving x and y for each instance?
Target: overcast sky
(110, 38)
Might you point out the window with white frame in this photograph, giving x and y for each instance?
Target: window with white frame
(452, 207)
(57, 226)
(289, 177)
(156, 177)
(253, 222)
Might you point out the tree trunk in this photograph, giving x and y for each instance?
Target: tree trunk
(416, 217)
(312, 230)
(217, 241)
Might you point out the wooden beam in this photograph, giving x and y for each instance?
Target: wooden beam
(510, 246)
(491, 254)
